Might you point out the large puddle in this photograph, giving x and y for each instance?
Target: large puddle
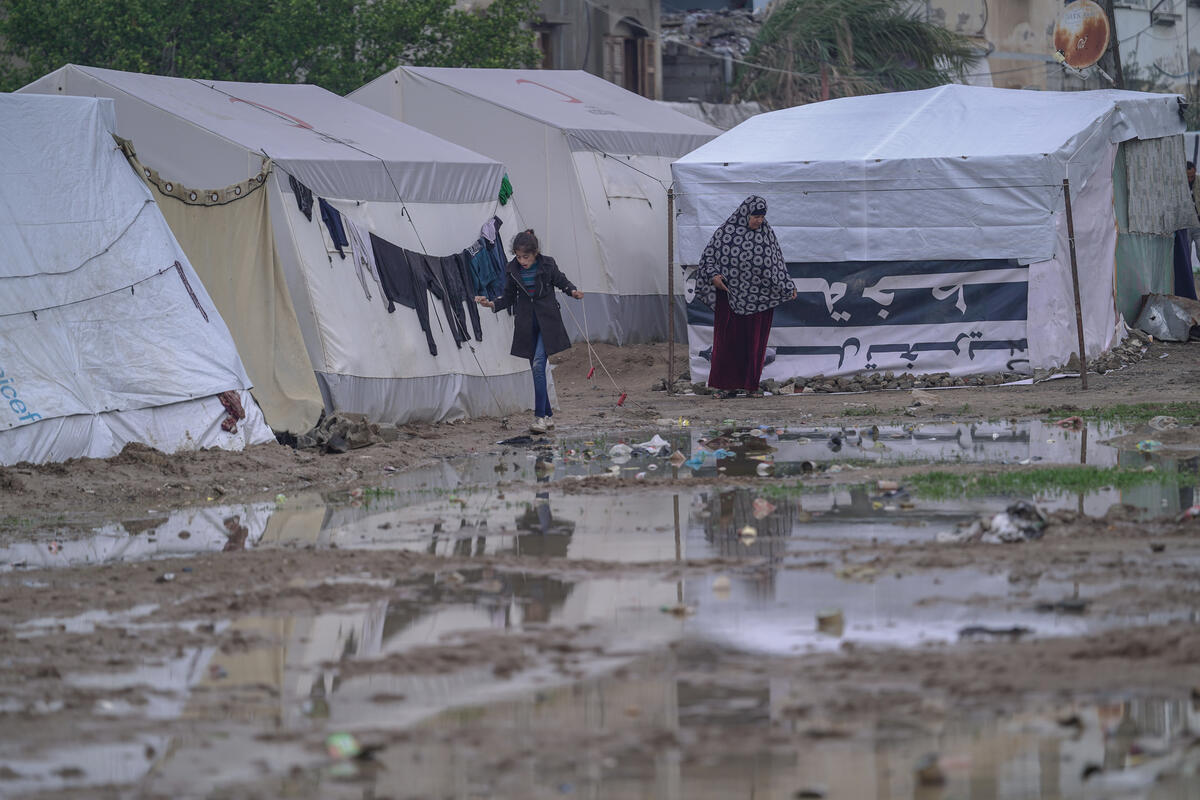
(788, 583)
(515, 499)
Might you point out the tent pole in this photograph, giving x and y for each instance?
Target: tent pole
(670, 290)
(1075, 283)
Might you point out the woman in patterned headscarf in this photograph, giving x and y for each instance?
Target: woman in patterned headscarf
(742, 277)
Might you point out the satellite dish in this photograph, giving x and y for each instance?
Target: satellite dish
(1081, 34)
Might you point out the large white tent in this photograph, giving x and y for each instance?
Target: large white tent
(107, 335)
(589, 164)
(221, 157)
(926, 231)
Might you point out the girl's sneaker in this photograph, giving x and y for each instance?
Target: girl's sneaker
(549, 423)
(539, 425)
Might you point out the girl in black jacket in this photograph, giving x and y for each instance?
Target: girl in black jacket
(529, 283)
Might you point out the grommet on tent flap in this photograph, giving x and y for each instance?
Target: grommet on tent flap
(191, 195)
(170, 187)
(237, 191)
(214, 197)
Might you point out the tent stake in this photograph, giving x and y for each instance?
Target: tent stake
(1075, 283)
(670, 290)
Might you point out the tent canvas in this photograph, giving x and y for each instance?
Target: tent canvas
(219, 156)
(107, 335)
(926, 231)
(589, 163)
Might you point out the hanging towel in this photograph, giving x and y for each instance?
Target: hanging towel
(303, 195)
(466, 278)
(403, 282)
(333, 221)
(506, 190)
(362, 252)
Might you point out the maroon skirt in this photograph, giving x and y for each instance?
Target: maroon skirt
(739, 346)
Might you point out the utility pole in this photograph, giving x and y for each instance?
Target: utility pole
(1114, 47)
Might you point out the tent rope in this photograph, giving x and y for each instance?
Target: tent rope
(592, 352)
(127, 287)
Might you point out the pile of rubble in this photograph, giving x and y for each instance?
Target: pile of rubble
(1127, 352)
(342, 431)
(728, 29)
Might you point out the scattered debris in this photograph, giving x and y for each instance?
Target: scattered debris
(343, 431)
(831, 622)
(1168, 317)
(1069, 605)
(678, 610)
(858, 572)
(987, 632)
(1020, 522)
(928, 771)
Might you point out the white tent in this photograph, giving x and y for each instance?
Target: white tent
(107, 335)
(589, 164)
(299, 312)
(925, 231)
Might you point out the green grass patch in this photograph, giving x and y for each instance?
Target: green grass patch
(1187, 412)
(1046, 480)
(860, 411)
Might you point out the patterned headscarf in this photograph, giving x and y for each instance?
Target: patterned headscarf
(750, 262)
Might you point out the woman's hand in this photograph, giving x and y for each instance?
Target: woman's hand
(578, 295)
(793, 297)
(483, 301)
(719, 282)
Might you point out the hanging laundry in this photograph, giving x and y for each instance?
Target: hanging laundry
(466, 281)
(436, 280)
(333, 221)
(506, 190)
(490, 229)
(362, 253)
(403, 283)
(304, 197)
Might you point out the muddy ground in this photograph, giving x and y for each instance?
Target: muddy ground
(558, 708)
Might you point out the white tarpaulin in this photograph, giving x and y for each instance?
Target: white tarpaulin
(925, 231)
(308, 326)
(589, 164)
(107, 335)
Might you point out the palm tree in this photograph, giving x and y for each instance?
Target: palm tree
(811, 50)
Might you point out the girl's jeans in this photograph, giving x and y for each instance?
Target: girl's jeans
(541, 397)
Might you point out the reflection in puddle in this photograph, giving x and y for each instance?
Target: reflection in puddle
(191, 530)
(448, 508)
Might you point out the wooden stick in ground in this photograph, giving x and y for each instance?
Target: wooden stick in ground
(670, 291)
(1075, 284)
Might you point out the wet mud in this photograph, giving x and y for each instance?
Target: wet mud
(691, 598)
